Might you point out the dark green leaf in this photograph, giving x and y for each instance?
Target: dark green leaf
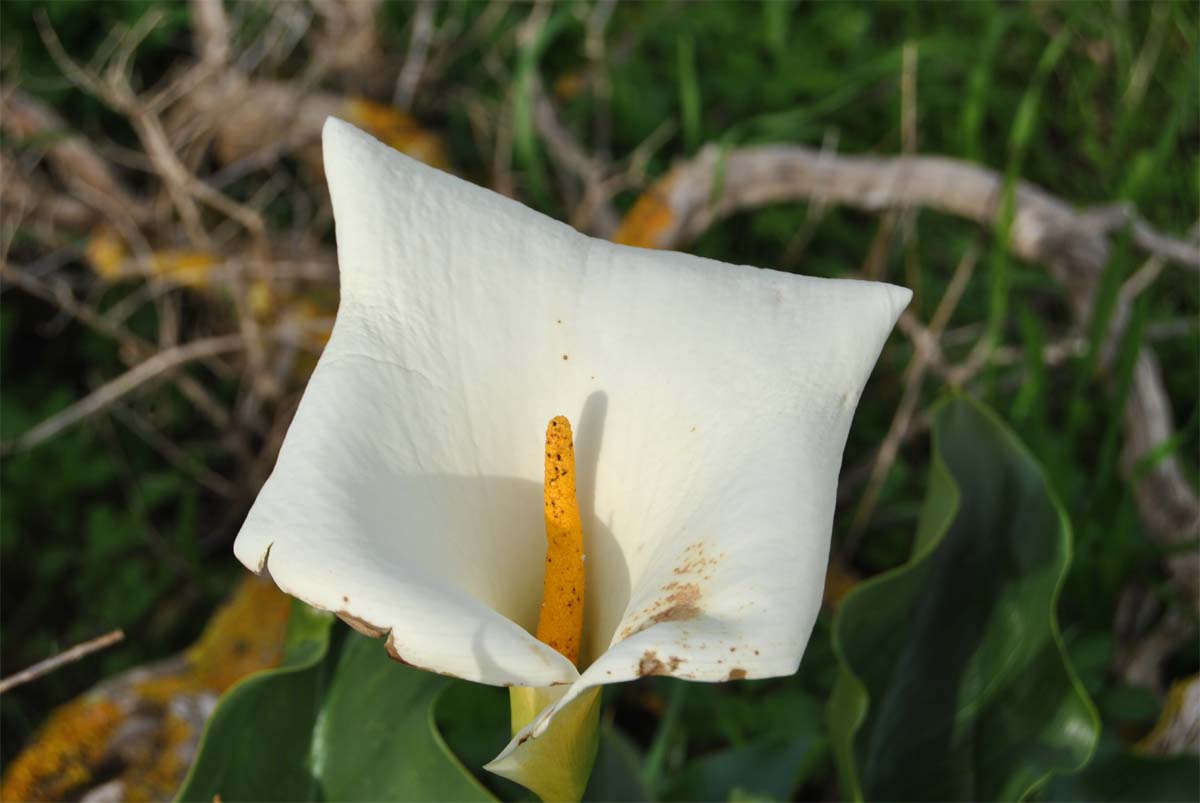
(954, 683)
(257, 743)
(344, 723)
(377, 739)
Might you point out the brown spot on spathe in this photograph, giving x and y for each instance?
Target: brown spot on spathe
(362, 625)
(695, 561)
(681, 604)
(394, 653)
(678, 606)
(737, 674)
(375, 631)
(651, 665)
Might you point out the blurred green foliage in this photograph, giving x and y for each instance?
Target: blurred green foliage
(97, 531)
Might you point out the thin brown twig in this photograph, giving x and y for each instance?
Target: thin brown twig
(132, 346)
(172, 452)
(1045, 229)
(914, 375)
(594, 47)
(1113, 217)
(182, 186)
(76, 653)
(210, 30)
(594, 213)
(82, 170)
(115, 389)
(414, 59)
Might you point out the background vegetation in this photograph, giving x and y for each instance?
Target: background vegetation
(125, 518)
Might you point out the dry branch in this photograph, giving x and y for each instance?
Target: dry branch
(414, 60)
(115, 389)
(210, 30)
(87, 176)
(1044, 229)
(133, 347)
(926, 350)
(594, 213)
(79, 651)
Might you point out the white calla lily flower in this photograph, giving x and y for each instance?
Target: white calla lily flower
(710, 403)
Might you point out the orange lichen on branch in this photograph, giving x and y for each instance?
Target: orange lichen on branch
(651, 216)
(69, 747)
(111, 260)
(244, 636)
(1176, 730)
(397, 129)
(560, 623)
(135, 733)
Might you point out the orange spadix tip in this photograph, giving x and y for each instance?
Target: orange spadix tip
(560, 623)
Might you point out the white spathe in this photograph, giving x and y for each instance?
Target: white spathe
(710, 403)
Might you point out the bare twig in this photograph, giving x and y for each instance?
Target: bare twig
(1113, 217)
(86, 174)
(414, 59)
(210, 30)
(182, 186)
(115, 389)
(1044, 229)
(1073, 244)
(595, 213)
(908, 98)
(598, 72)
(132, 346)
(79, 651)
(925, 349)
(173, 453)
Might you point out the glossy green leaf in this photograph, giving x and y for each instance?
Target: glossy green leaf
(953, 681)
(339, 720)
(376, 738)
(256, 743)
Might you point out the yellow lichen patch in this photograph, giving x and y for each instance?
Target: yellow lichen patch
(244, 636)
(651, 215)
(187, 268)
(569, 86)
(156, 771)
(314, 320)
(110, 259)
(64, 753)
(1176, 730)
(306, 318)
(560, 623)
(260, 298)
(106, 253)
(129, 729)
(398, 130)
